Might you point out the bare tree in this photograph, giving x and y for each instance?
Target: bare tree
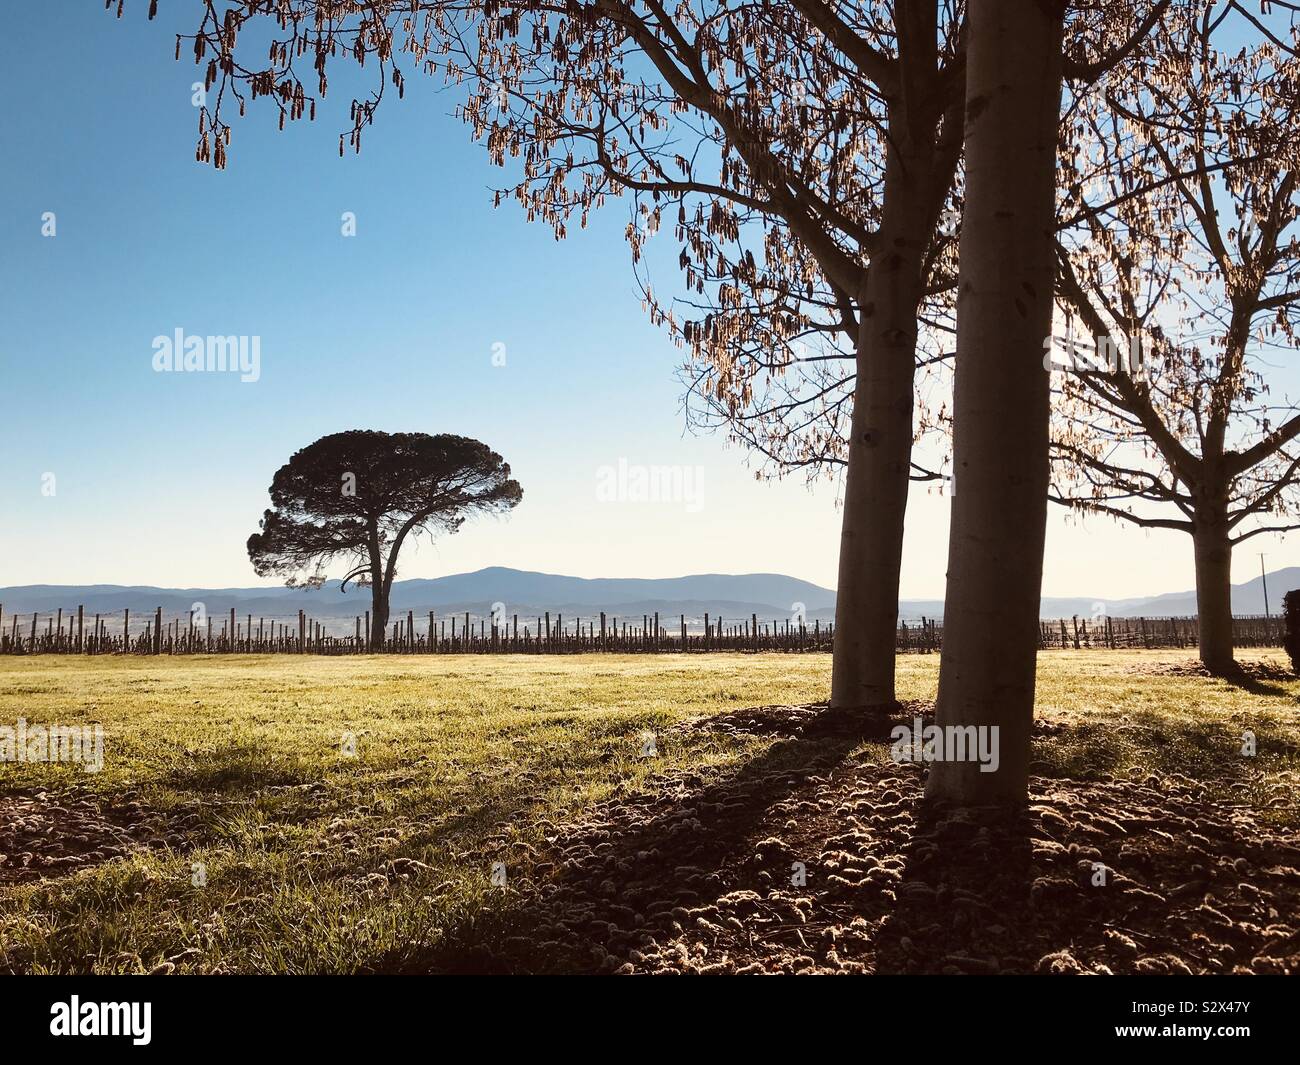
(1192, 288)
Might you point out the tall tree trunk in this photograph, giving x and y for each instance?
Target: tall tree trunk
(378, 615)
(1213, 549)
(880, 455)
(378, 590)
(1001, 395)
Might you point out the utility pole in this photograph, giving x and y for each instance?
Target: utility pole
(1264, 580)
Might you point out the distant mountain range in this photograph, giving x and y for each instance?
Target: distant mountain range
(770, 595)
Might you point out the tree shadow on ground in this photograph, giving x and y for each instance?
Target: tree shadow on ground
(238, 770)
(964, 896)
(1112, 877)
(1209, 750)
(667, 852)
(1104, 876)
(1255, 684)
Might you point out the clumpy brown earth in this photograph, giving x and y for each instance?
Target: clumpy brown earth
(43, 837)
(1247, 670)
(820, 857)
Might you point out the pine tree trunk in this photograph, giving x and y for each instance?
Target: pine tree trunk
(378, 616)
(1213, 551)
(876, 485)
(1001, 395)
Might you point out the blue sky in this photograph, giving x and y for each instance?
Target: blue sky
(160, 478)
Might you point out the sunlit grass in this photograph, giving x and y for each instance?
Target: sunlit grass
(462, 761)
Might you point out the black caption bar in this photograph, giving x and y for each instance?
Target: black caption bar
(142, 1015)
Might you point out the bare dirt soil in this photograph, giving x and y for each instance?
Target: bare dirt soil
(43, 837)
(1104, 876)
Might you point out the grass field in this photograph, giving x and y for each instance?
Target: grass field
(254, 842)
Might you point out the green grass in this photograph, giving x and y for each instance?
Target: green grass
(461, 761)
